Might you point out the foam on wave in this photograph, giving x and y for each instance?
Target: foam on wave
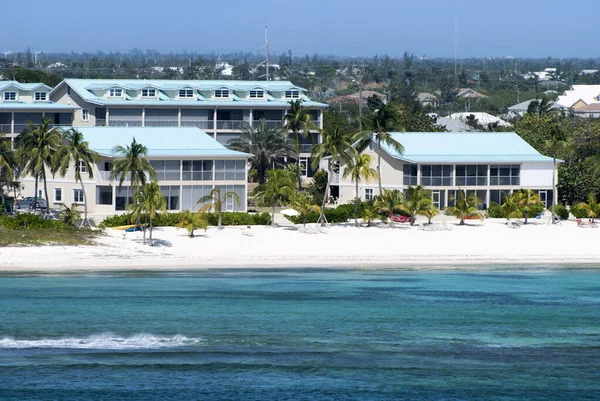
(108, 341)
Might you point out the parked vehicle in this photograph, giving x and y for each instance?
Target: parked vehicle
(27, 203)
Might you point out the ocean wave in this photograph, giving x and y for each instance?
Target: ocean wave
(105, 341)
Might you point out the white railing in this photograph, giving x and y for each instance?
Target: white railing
(124, 123)
(202, 124)
(230, 124)
(161, 123)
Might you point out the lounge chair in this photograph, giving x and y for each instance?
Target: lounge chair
(510, 224)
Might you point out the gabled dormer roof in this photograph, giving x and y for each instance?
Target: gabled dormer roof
(4, 85)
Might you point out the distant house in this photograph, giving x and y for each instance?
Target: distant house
(588, 72)
(589, 111)
(520, 109)
(483, 119)
(470, 93)
(453, 125)
(579, 95)
(354, 97)
(427, 99)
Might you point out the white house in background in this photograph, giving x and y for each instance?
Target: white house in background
(22, 103)
(482, 119)
(188, 162)
(219, 108)
(579, 95)
(591, 110)
(487, 164)
(520, 109)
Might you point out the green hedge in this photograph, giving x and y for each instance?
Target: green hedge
(340, 214)
(28, 221)
(170, 219)
(561, 212)
(494, 211)
(578, 212)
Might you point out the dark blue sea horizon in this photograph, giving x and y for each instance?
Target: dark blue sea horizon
(302, 334)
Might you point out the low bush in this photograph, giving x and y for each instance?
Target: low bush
(578, 212)
(28, 221)
(494, 211)
(170, 219)
(561, 212)
(534, 210)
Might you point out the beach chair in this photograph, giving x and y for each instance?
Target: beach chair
(445, 226)
(510, 224)
(581, 224)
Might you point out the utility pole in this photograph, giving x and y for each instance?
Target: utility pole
(267, 52)
(455, 42)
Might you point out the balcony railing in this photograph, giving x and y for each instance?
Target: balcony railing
(6, 128)
(100, 122)
(230, 124)
(202, 124)
(103, 175)
(124, 123)
(271, 123)
(162, 123)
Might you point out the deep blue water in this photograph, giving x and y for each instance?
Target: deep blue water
(301, 335)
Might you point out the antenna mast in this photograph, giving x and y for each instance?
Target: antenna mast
(267, 52)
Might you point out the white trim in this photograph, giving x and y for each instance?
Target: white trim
(61, 195)
(293, 93)
(148, 96)
(16, 99)
(74, 197)
(35, 95)
(186, 91)
(222, 90)
(112, 92)
(85, 115)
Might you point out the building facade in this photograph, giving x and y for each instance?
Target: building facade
(219, 108)
(188, 162)
(487, 164)
(24, 103)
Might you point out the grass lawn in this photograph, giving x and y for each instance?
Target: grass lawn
(47, 236)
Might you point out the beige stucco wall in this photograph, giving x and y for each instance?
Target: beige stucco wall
(62, 97)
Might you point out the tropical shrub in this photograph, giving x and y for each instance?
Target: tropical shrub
(561, 212)
(494, 211)
(578, 212)
(172, 219)
(534, 211)
(28, 221)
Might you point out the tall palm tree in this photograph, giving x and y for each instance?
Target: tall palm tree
(267, 145)
(214, 201)
(380, 121)
(336, 146)
(132, 162)
(150, 200)
(76, 150)
(303, 204)
(298, 120)
(465, 206)
(591, 207)
(556, 142)
(7, 167)
(279, 185)
(526, 200)
(417, 201)
(37, 145)
(359, 167)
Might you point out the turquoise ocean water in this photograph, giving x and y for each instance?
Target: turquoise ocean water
(301, 334)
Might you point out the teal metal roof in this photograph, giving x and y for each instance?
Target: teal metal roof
(84, 88)
(36, 106)
(21, 86)
(164, 142)
(464, 147)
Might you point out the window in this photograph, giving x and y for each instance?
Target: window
(186, 93)
(197, 170)
(292, 94)
(10, 96)
(257, 94)
(104, 195)
(507, 174)
(410, 174)
(436, 175)
(85, 115)
(148, 92)
(40, 96)
(221, 93)
(171, 193)
(81, 166)
(77, 196)
(471, 174)
(230, 170)
(115, 92)
(40, 193)
(57, 194)
(368, 194)
(303, 166)
(166, 169)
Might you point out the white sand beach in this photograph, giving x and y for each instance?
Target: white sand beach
(477, 243)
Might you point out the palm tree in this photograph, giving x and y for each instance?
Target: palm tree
(556, 142)
(215, 202)
(302, 202)
(132, 161)
(192, 221)
(526, 199)
(76, 152)
(430, 213)
(70, 214)
(279, 185)
(37, 146)
(592, 208)
(359, 167)
(417, 201)
(510, 207)
(267, 145)
(369, 212)
(150, 200)
(299, 121)
(465, 206)
(7, 167)
(336, 146)
(380, 121)
(389, 202)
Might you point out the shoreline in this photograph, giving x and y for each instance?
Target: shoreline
(487, 245)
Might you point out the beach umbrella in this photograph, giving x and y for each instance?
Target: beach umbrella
(289, 212)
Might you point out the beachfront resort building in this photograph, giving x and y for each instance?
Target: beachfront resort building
(487, 164)
(219, 108)
(188, 162)
(22, 103)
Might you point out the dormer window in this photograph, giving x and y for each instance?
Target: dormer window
(186, 93)
(292, 94)
(149, 93)
(221, 93)
(257, 94)
(115, 92)
(10, 96)
(40, 96)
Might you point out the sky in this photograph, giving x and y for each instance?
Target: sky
(351, 28)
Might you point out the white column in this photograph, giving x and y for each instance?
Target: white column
(418, 174)
(143, 116)
(179, 117)
(12, 123)
(107, 116)
(251, 120)
(215, 125)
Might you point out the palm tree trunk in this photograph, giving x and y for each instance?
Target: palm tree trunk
(273, 212)
(35, 188)
(553, 189)
(46, 192)
(150, 234)
(85, 208)
(219, 223)
(329, 174)
(356, 205)
(298, 161)
(379, 166)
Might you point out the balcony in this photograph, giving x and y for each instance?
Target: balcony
(162, 123)
(100, 122)
(202, 124)
(230, 124)
(6, 128)
(271, 123)
(102, 175)
(124, 123)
